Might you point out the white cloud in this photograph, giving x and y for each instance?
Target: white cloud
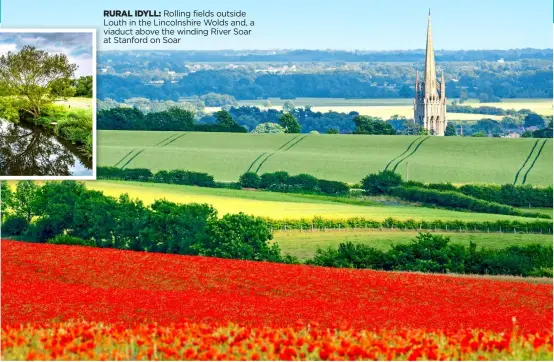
(5, 48)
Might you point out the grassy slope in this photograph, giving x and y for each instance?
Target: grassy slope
(304, 244)
(277, 205)
(336, 157)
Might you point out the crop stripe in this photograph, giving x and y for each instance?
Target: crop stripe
(124, 157)
(173, 140)
(132, 158)
(253, 162)
(294, 144)
(402, 154)
(165, 139)
(533, 164)
(525, 162)
(277, 150)
(411, 153)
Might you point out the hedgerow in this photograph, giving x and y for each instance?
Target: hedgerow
(435, 254)
(505, 226)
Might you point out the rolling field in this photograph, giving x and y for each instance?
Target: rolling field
(304, 244)
(135, 305)
(279, 206)
(346, 158)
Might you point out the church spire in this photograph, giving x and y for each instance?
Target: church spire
(430, 77)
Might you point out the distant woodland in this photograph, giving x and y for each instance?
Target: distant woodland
(485, 75)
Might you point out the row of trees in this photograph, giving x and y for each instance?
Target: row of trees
(283, 182)
(185, 116)
(436, 254)
(471, 198)
(173, 119)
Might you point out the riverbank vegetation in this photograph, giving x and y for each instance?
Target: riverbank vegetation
(32, 80)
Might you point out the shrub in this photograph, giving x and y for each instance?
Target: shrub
(381, 183)
(250, 179)
(238, 236)
(9, 109)
(273, 178)
(303, 181)
(64, 239)
(14, 225)
(333, 187)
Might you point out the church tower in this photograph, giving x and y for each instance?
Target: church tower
(430, 94)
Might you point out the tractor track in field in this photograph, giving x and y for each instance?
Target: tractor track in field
(526, 160)
(132, 158)
(411, 153)
(173, 140)
(535, 160)
(170, 139)
(165, 139)
(277, 150)
(402, 154)
(294, 144)
(253, 162)
(124, 157)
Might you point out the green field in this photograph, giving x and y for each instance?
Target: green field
(76, 102)
(304, 244)
(279, 205)
(346, 158)
(385, 108)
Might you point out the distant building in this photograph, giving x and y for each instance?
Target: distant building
(430, 95)
(512, 135)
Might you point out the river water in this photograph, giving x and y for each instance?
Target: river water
(28, 150)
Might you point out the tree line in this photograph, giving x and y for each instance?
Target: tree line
(436, 254)
(473, 198)
(292, 119)
(380, 81)
(173, 119)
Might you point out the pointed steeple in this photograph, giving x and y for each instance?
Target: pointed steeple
(430, 77)
(416, 81)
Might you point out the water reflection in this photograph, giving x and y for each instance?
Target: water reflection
(31, 151)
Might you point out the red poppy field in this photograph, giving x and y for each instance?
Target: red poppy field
(69, 302)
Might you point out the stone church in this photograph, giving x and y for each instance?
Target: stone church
(430, 94)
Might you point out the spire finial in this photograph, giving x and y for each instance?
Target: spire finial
(429, 11)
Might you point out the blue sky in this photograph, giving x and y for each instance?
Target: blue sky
(309, 24)
(77, 46)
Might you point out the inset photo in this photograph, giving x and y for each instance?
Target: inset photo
(47, 104)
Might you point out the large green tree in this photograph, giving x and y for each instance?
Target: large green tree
(37, 76)
(372, 125)
(224, 119)
(83, 86)
(450, 129)
(289, 123)
(23, 199)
